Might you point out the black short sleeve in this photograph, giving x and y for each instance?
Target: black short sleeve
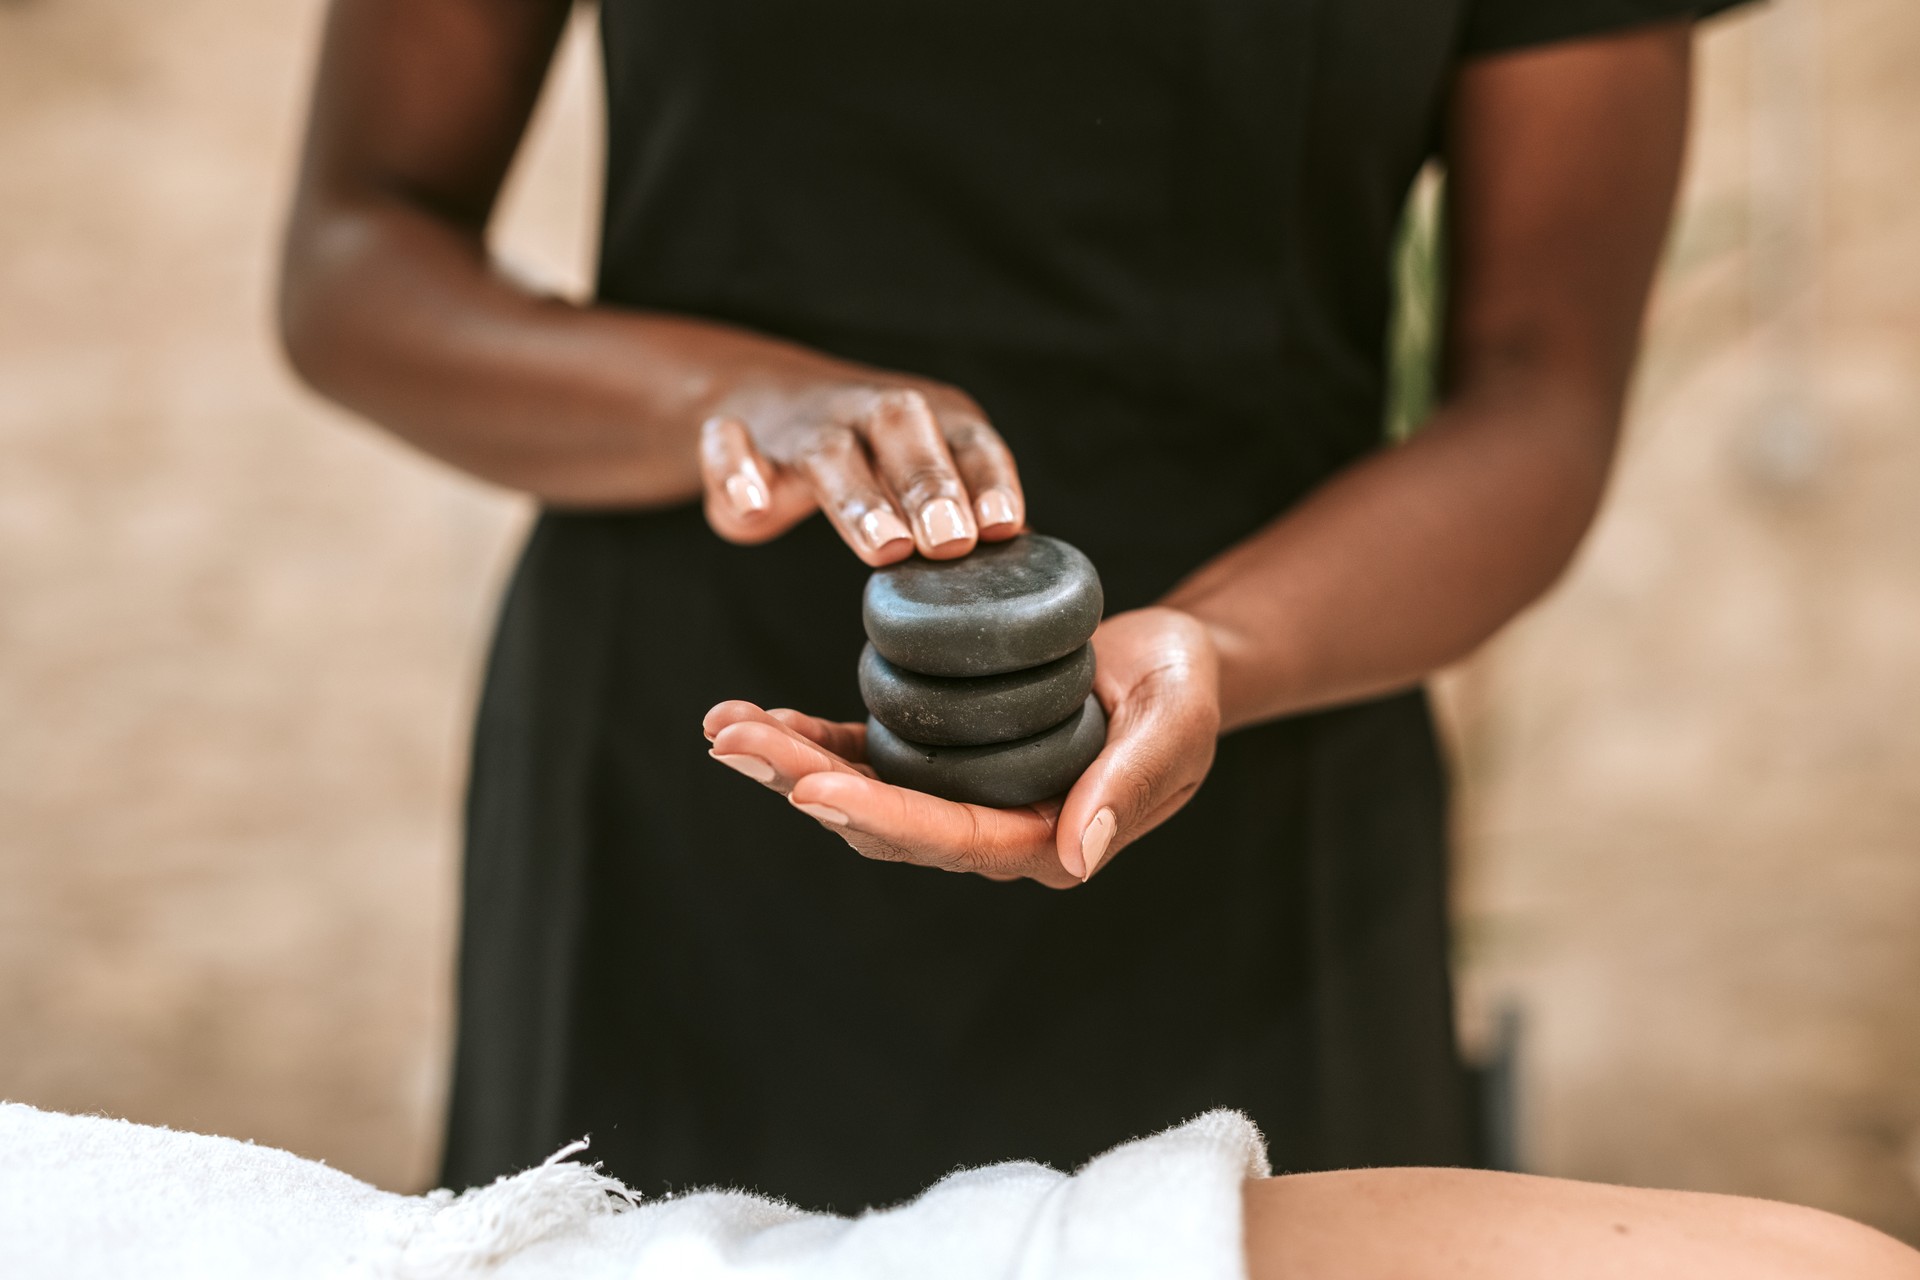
(1496, 25)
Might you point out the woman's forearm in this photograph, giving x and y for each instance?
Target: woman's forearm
(390, 305)
(1406, 561)
(1409, 559)
(396, 312)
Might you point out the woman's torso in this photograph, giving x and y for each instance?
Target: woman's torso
(1150, 238)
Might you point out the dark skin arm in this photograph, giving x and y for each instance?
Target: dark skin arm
(1563, 163)
(1562, 167)
(390, 305)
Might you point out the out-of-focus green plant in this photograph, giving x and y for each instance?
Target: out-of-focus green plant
(1419, 304)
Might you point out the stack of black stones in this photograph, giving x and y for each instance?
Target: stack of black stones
(978, 674)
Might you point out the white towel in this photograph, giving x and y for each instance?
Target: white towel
(84, 1197)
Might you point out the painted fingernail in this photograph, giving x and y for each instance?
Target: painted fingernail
(995, 506)
(747, 490)
(943, 521)
(823, 813)
(1095, 839)
(880, 527)
(753, 766)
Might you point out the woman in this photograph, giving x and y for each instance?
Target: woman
(931, 271)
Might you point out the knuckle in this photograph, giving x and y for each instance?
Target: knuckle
(951, 400)
(975, 852)
(825, 445)
(971, 434)
(1137, 787)
(922, 483)
(899, 405)
(983, 852)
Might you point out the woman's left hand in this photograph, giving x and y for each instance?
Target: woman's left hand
(1158, 680)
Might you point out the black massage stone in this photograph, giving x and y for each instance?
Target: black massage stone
(1006, 606)
(1004, 775)
(943, 711)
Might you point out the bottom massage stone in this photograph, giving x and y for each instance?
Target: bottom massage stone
(1004, 775)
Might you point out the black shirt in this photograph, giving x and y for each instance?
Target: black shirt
(1151, 237)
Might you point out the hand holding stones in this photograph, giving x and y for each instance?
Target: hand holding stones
(1159, 675)
(979, 671)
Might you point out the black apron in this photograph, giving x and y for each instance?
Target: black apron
(1151, 237)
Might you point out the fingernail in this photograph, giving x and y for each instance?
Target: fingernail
(880, 526)
(823, 813)
(1095, 839)
(995, 507)
(753, 766)
(747, 490)
(943, 521)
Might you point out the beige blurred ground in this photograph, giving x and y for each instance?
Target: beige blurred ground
(238, 639)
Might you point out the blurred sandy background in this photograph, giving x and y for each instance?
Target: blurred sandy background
(239, 637)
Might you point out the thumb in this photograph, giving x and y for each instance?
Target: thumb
(1154, 759)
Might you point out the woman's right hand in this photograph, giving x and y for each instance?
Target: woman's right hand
(390, 304)
(896, 466)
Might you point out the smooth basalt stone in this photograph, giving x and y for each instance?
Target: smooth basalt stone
(1004, 775)
(1004, 607)
(949, 712)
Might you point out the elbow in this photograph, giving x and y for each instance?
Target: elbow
(330, 255)
(302, 320)
(299, 346)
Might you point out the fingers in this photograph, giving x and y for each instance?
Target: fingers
(986, 468)
(891, 475)
(896, 824)
(748, 499)
(848, 741)
(772, 754)
(1137, 782)
(1158, 683)
(834, 462)
(730, 712)
(911, 456)
(807, 759)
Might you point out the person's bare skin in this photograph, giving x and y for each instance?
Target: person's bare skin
(1463, 1224)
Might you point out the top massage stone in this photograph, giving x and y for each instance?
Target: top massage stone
(1005, 607)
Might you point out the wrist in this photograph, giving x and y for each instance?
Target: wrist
(1256, 677)
(1181, 652)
